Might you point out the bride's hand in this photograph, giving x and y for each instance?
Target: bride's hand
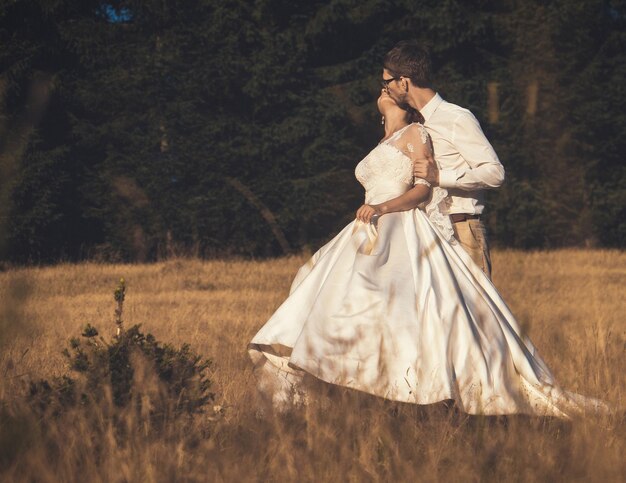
(365, 213)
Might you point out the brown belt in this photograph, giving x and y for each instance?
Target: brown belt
(458, 217)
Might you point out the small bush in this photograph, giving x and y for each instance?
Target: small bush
(161, 380)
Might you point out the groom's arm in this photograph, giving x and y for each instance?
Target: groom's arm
(484, 170)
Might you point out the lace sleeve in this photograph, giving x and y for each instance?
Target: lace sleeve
(418, 145)
(417, 181)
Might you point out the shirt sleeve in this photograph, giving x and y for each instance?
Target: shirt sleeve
(484, 169)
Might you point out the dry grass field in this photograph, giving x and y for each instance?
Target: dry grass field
(571, 302)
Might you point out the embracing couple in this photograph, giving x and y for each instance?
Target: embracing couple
(399, 304)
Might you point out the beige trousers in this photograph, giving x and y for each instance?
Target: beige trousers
(472, 236)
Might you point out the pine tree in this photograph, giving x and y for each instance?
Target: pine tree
(133, 129)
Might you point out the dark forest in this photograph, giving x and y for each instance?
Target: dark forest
(133, 130)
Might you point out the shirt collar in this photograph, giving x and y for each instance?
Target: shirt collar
(431, 107)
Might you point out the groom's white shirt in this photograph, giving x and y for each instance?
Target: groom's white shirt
(467, 162)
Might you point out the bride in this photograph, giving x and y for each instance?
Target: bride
(393, 306)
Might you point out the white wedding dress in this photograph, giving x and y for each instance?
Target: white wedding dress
(400, 311)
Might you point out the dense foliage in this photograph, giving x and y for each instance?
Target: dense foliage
(133, 129)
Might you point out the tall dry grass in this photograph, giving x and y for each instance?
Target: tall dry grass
(571, 302)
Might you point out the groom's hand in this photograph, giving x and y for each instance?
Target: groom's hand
(426, 168)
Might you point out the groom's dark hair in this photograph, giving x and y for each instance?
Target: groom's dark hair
(410, 59)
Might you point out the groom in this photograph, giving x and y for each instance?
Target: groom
(465, 164)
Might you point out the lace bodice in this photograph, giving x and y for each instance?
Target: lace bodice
(387, 172)
(386, 163)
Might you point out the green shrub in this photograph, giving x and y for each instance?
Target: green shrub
(161, 380)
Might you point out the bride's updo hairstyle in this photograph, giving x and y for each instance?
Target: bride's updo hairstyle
(410, 59)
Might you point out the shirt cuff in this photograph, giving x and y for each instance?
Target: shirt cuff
(448, 178)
